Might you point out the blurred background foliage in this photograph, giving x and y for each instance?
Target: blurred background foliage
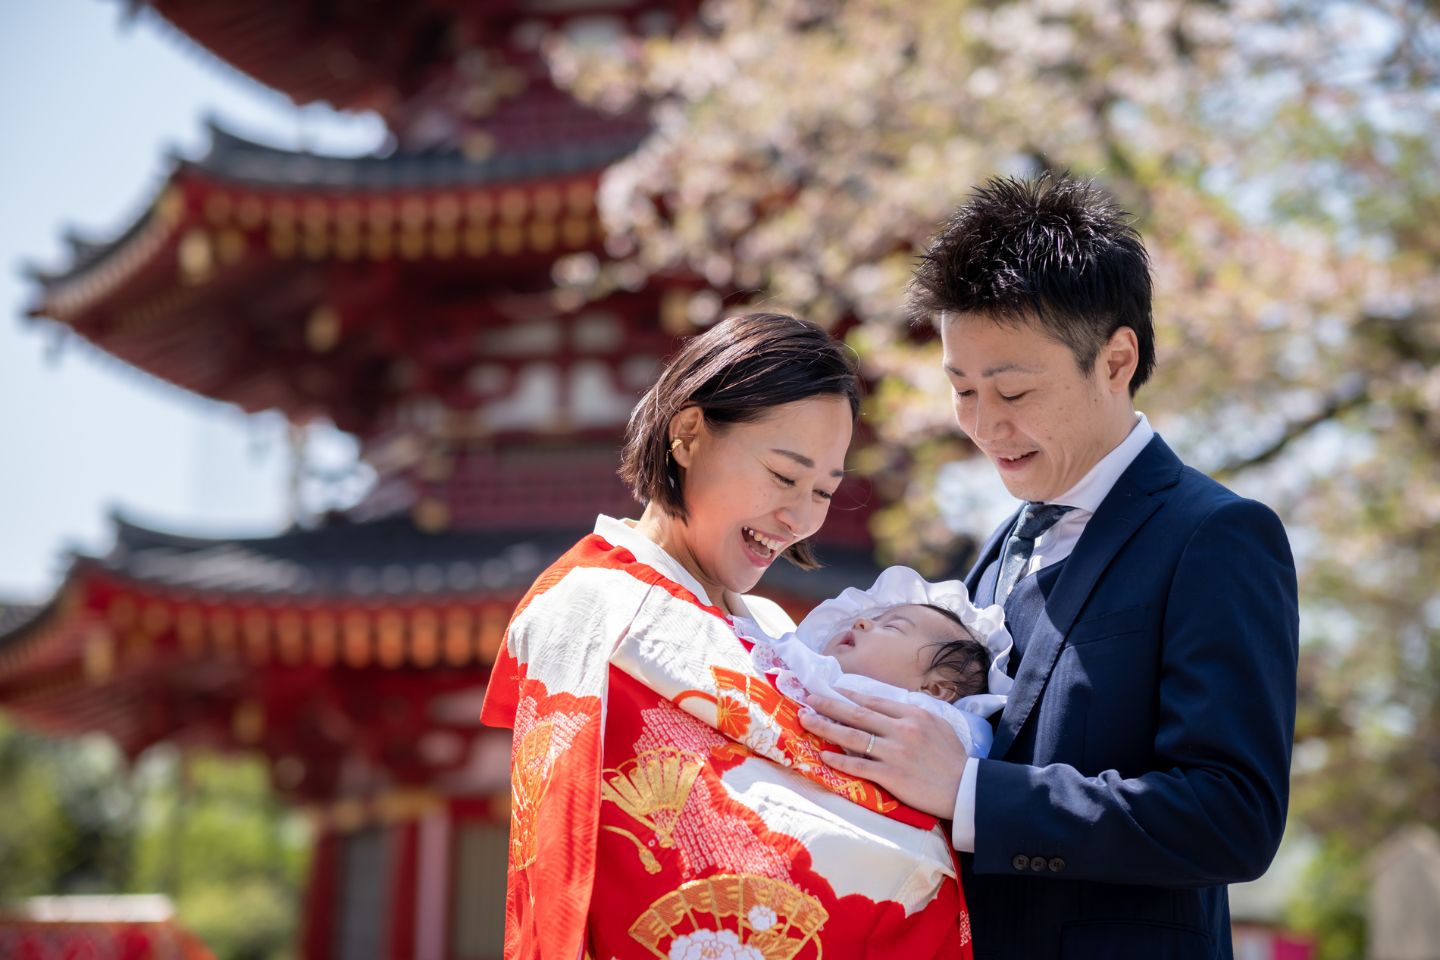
(204, 830)
(1281, 159)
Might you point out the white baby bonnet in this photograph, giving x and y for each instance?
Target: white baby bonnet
(797, 655)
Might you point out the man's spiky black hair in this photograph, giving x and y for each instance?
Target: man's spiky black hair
(1056, 251)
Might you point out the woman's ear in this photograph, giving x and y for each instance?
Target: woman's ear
(685, 426)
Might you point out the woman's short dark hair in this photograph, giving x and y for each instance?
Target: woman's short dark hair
(1056, 251)
(735, 372)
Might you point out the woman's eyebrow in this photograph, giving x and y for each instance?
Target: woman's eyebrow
(803, 460)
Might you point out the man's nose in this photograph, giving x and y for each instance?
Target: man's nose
(989, 420)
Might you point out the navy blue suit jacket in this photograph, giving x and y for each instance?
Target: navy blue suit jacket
(1142, 762)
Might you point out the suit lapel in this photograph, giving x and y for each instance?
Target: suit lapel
(1123, 511)
(988, 553)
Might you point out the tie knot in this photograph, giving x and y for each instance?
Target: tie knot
(1036, 518)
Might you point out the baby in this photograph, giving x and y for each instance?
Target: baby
(915, 646)
(904, 639)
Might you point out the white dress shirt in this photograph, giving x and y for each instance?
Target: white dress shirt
(1051, 547)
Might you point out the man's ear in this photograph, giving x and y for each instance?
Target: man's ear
(685, 426)
(1119, 358)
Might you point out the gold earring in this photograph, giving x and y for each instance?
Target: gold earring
(675, 443)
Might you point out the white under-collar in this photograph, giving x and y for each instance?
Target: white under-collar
(622, 533)
(1095, 486)
(751, 613)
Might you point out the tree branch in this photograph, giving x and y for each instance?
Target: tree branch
(1337, 405)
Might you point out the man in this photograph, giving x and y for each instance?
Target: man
(1142, 761)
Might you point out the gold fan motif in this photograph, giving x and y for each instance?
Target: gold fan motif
(770, 917)
(653, 788)
(534, 758)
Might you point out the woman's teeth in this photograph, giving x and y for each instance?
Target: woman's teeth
(772, 546)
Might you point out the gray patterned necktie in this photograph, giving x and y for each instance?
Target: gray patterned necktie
(1034, 520)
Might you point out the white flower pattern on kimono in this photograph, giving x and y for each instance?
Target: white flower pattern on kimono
(764, 736)
(761, 918)
(712, 945)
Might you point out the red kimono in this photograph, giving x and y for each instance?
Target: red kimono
(666, 801)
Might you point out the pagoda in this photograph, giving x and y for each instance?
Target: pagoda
(408, 297)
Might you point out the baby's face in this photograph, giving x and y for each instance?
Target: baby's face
(895, 647)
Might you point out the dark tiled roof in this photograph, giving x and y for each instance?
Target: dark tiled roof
(85, 253)
(378, 560)
(392, 558)
(20, 620)
(16, 616)
(233, 158)
(381, 558)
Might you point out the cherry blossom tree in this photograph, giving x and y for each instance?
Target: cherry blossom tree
(1280, 157)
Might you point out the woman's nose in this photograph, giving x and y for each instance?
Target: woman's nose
(802, 518)
(797, 520)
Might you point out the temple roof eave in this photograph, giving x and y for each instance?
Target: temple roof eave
(18, 620)
(246, 169)
(135, 642)
(388, 562)
(264, 43)
(232, 159)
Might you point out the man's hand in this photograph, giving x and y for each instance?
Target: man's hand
(915, 755)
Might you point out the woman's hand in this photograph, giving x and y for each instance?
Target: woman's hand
(909, 751)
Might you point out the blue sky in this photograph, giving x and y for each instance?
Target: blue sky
(94, 100)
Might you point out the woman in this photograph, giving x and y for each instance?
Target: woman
(666, 801)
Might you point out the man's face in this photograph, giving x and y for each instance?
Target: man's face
(1021, 398)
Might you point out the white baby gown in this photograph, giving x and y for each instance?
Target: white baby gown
(797, 659)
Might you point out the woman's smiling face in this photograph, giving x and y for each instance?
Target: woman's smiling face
(754, 489)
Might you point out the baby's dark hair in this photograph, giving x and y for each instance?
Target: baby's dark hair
(963, 663)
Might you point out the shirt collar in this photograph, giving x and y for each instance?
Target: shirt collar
(1095, 486)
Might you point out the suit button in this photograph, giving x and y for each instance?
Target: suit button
(1037, 863)
(1056, 864)
(1021, 862)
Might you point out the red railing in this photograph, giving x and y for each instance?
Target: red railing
(96, 928)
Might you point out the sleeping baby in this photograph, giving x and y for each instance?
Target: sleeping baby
(915, 646)
(905, 639)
